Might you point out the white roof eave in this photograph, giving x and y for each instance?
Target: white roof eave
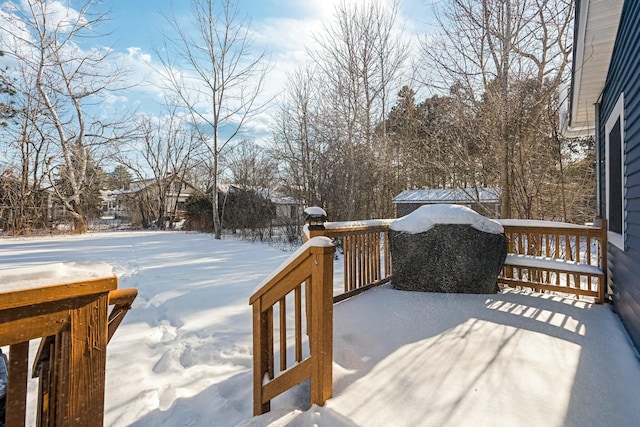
(595, 37)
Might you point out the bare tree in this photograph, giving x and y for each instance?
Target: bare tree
(251, 167)
(27, 163)
(509, 57)
(64, 83)
(299, 143)
(361, 56)
(160, 158)
(216, 75)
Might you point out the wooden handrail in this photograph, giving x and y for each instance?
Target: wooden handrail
(367, 259)
(121, 299)
(311, 266)
(72, 320)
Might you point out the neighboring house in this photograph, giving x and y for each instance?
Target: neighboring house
(110, 208)
(605, 102)
(288, 209)
(485, 201)
(141, 203)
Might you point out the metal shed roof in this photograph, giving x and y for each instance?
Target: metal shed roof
(457, 195)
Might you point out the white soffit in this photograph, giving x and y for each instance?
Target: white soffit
(597, 29)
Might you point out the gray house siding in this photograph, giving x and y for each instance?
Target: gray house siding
(622, 78)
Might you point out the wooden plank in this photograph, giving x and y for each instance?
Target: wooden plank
(307, 302)
(64, 291)
(548, 287)
(282, 305)
(360, 290)
(20, 330)
(259, 407)
(298, 321)
(121, 299)
(348, 231)
(387, 256)
(16, 404)
(287, 380)
(378, 265)
(345, 264)
(44, 388)
(321, 339)
(62, 379)
(294, 265)
(47, 393)
(286, 284)
(88, 355)
(352, 263)
(368, 258)
(359, 259)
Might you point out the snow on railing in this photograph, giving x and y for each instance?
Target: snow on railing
(555, 256)
(308, 275)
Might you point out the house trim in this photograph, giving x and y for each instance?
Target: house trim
(616, 116)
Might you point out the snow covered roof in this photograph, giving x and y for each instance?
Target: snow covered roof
(281, 199)
(453, 195)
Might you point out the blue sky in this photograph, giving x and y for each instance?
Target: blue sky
(284, 27)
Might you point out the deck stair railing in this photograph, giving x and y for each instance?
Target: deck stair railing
(308, 276)
(73, 321)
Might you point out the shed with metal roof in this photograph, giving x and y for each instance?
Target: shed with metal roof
(484, 200)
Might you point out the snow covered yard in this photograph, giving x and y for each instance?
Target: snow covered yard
(182, 356)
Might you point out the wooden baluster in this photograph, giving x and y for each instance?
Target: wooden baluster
(353, 262)
(298, 319)
(387, 255)
(17, 385)
(283, 333)
(379, 273)
(363, 260)
(263, 362)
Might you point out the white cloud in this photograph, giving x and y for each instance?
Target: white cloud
(60, 16)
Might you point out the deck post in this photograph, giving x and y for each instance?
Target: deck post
(321, 339)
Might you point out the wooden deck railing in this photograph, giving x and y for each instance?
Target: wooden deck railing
(542, 255)
(73, 321)
(559, 257)
(311, 266)
(366, 253)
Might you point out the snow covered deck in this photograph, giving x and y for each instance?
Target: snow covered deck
(183, 355)
(511, 359)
